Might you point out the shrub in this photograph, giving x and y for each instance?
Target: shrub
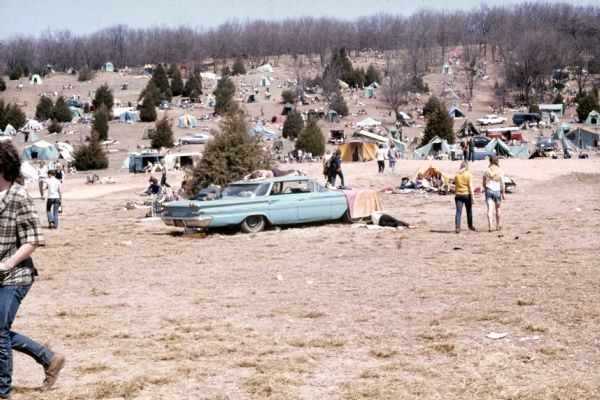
(224, 101)
(16, 73)
(558, 99)
(104, 95)
(86, 108)
(293, 125)
(534, 108)
(43, 110)
(311, 139)
(238, 67)
(2, 84)
(90, 156)
(100, 123)
(289, 96)
(163, 134)
(225, 71)
(439, 124)
(85, 74)
(54, 127)
(229, 156)
(586, 105)
(13, 115)
(61, 111)
(339, 104)
(177, 84)
(372, 75)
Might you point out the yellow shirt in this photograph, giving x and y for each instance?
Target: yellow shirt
(462, 181)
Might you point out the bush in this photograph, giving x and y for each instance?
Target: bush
(61, 111)
(558, 99)
(311, 139)
(86, 108)
(177, 84)
(54, 127)
(85, 74)
(163, 134)
(100, 123)
(534, 108)
(439, 124)
(90, 156)
(338, 104)
(224, 101)
(225, 71)
(43, 110)
(104, 95)
(16, 73)
(372, 75)
(238, 67)
(2, 84)
(293, 125)
(229, 156)
(586, 105)
(11, 114)
(289, 96)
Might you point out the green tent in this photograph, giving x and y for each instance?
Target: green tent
(499, 147)
(435, 146)
(593, 118)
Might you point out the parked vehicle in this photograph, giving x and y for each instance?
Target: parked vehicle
(546, 143)
(252, 205)
(197, 138)
(337, 136)
(75, 103)
(491, 119)
(521, 118)
(480, 141)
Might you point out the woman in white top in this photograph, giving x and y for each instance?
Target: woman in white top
(42, 172)
(494, 191)
(380, 156)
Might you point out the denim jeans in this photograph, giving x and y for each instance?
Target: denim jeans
(52, 204)
(459, 200)
(10, 300)
(334, 175)
(380, 166)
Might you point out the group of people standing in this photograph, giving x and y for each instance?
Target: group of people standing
(468, 148)
(494, 189)
(50, 179)
(332, 167)
(391, 154)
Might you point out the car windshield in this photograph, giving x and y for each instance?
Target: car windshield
(246, 190)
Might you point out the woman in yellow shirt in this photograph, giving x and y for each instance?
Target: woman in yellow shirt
(463, 182)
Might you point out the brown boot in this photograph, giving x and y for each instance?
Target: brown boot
(52, 371)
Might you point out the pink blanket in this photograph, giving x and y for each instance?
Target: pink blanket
(362, 203)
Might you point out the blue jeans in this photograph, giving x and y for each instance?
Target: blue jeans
(333, 175)
(459, 200)
(10, 300)
(52, 204)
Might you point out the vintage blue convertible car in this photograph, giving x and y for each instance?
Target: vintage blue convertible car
(254, 204)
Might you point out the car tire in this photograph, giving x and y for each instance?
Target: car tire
(184, 143)
(348, 219)
(253, 224)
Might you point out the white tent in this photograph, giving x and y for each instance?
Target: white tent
(264, 81)
(35, 80)
(29, 172)
(9, 130)
(209, 76)
(265, 68)
(368, 122)
(33, 125)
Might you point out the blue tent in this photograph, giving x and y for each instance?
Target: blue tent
(262, 132)
(41, 150)
(187, 121)
(128, 116)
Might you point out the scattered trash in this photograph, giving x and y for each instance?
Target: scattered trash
(528, 232)
(578, 209)
(279, 277)
(516, 238)
(496, 335)
(527, 338)
(516, 251)
(127, 243)
(308, 282)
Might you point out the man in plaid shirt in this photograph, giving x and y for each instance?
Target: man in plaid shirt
(20, 235)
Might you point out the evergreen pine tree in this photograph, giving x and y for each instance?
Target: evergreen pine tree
(148, 110)
(177, 84)
(193, 86)
(12, 115)
(104, 95)
(171, 71)
(150, 93)
(372, 75)
(432, 104)
(586, 105)
(100, 122)
(163, 134)
(439, 124)
(61, 111)
(238, 67)
(224, 101)
(225, 71)
(2, 84)
(2, 110)
(159, 77)
(311, 139)
(338, 104)
(43, 110)
(293, 125)
(558, 99)
(229, 156)
(89, 156)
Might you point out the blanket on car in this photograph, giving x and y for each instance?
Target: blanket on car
(362, 203)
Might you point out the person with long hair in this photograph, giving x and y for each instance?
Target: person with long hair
(463, 182)
(20, 235)
(493, 182)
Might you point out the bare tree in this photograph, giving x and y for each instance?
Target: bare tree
(394, 87)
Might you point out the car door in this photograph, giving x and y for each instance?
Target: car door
(314, 205)
(283, 204)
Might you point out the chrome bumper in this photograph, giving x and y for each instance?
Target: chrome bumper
(193, 222)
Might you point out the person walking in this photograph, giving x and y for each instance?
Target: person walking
(392, 157)
(42, 172)
(54, 199)
(463, 181)
(493, 182)
(380, 156)
(465, 149)
(20, 236)
(471, 146)
(163, 177)
(336, 168)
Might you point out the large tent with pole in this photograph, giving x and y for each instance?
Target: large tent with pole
(499, 148)
(40, 150)
(187, 121)
(436, 146)
(357, 149)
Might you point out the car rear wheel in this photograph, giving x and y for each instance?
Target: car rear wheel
(253, 224)
(348, 219)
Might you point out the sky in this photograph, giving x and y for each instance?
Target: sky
(32, 17)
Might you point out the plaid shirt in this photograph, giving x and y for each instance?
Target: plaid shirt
(19, 224)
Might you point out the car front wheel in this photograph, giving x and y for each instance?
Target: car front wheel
(253, 224)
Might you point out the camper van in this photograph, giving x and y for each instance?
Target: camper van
(520, 118)
(509, 134)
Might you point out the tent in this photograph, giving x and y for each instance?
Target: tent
(41, 150)
(400, 147)
(264, 81)
(428, 171)
(593, 118)
(209, 101)
(148, 131)
(343, 85)
(33, 125)
(108, 67)
(446, 69)
(584, 139)
(368, 122)
(358, 150)
(261, 131)
(148, 69)
(251, 98)
(27, 137)
(455, 112)
(265, 68)
(287, 108)
(435, 146)
(29, 172)
(521, 151)
(499, 147)
(369, 92)
(467, 129)
(547, 109)
(76, 112)
(9, 130)
(332, 117)
(276, 119)
(187, 121)
(128, 116)
(35, 80)
(65, 150)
